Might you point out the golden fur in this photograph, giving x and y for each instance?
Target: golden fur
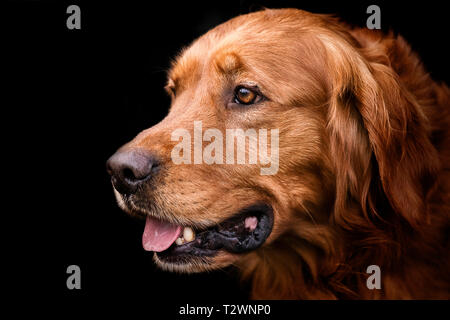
(364, 157)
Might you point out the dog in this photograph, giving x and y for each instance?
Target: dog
(363, 151)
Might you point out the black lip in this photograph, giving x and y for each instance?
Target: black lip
(229, 235)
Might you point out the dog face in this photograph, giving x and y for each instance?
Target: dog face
(234, 77)
(284, 71)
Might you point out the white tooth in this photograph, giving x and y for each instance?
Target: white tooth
(188, 234)
(179, 241)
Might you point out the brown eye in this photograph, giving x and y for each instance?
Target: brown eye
(170, 90)
(245, 96)
(170, 87)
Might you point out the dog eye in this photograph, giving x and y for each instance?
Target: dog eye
(170, 90)
(171, 87)
(246, 96)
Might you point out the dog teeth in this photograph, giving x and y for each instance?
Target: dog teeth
(187, 236)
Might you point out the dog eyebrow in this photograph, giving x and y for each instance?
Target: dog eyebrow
(228, 63)
(183, 70)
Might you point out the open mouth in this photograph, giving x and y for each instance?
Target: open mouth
(245, 231)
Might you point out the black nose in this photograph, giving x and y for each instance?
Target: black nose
(130, 168)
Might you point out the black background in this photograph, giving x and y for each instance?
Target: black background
(78, 95)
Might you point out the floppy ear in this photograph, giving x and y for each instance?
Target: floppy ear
(378, 131)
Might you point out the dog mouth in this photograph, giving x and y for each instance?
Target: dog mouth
(245, 231)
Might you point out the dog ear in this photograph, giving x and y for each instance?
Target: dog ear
(378, 131)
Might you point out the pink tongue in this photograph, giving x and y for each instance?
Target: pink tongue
(159, 235)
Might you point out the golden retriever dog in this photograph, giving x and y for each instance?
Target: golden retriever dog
(362, 162)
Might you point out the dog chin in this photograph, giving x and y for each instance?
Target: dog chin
(196, 265)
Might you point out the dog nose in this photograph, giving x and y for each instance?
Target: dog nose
(130, 168)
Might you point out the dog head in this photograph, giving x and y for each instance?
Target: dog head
(324, 122)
